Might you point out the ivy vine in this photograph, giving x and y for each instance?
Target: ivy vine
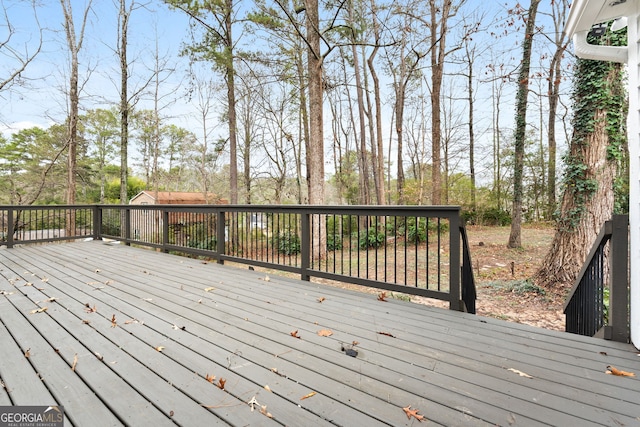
(598, 86)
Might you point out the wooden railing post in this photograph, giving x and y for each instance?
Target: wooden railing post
(165, 230)
(10, 227)
(220, 236)
(455, 294)
(619, 290)
(305, 245)
(97, 222)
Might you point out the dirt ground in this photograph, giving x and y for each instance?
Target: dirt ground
(501, 277)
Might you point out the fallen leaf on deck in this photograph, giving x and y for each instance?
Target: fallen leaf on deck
(387, 334)
(615, 371)
(171, 413)
(321, 299)
(210, 378)
(221, 383)
(28, 284)
(159, 348)
(325, 333)
(295, 334)
(75, 362)
(413, 413)
(38, 310)
(263, 411)
(27, 353)
(52, 299)
(306, 396)
(98, 355)
(522, 374)
(44, 279)
(108, 282)
(113, 321)
(382, 296)
(209, 289)
(89, 309)
(86, 322)
(268, 388)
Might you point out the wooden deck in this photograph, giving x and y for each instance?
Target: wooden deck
(132, 336)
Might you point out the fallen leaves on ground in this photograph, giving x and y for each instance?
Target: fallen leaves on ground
(263, 411)
(75, 362)
(321, 299)
(294, 334)
(113, 321)
(268, 388)
(209, 289)
(90, 309)
(221, 383)
(159, 348)
(382, 296)
(413, 413)
(39, 310)
(389, 334)
(210, 378)
(306, 396)
(325, 333)
(611, 370)
(522, 374)
(27, 353)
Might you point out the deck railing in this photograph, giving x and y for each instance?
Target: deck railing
(415, 250)
(598, 304)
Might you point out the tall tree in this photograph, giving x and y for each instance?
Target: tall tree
(122, 47)
(515, 240)
(559, 12)
(74, 44)
(216, 18)
(597, 144)
(441, 11)
(101, 127)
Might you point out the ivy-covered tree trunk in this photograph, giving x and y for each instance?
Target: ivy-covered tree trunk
(590, 169)
(521, 127)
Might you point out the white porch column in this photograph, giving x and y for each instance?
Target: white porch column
(633, 125)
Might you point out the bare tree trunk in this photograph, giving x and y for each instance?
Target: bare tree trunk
(231, 99)
(315, 165)
(123, 18)
(555, 76)
(378, 166)
(363, 160)
(521, 127)
(437, 70)
(303, 132)
(74, 43)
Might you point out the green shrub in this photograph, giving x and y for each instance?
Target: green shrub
(371, 238)
(287, 242)
(334, 242)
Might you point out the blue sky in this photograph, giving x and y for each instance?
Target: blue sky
(41, 100)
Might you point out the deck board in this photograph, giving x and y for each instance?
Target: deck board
(235, 324)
